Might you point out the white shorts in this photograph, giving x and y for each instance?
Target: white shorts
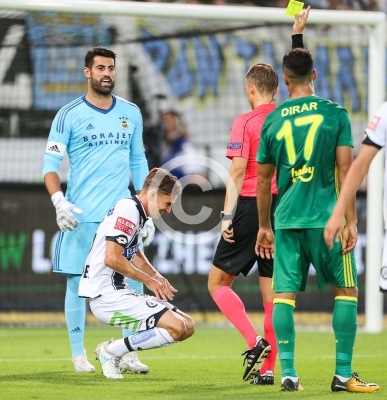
(133, 311)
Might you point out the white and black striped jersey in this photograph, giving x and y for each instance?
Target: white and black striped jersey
(122, 225)
(376, 135)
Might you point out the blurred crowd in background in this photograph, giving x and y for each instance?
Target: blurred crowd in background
(359, 5)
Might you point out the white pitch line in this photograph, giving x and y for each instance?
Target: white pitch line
(148, 358)
(185, 358)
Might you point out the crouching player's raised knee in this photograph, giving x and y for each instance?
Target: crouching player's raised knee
(114, 255)
(179, 325)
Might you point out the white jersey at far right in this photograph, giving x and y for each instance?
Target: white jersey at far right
(377, 133)
(122, 225)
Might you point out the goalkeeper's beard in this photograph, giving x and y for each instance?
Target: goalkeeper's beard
(99, 89)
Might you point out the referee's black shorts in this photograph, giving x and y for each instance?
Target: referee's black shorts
(240, 257)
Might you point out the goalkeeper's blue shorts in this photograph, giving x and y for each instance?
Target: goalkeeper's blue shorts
(72, 248)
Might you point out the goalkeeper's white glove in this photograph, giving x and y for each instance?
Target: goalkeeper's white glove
(148, 232)
(64, 212)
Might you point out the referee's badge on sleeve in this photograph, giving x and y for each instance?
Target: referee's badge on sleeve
(234, 145)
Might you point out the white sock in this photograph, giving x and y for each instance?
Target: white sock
(292, 378)
(342, 378)
(117, 348)
(150, 339)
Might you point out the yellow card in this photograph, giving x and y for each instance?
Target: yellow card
(294, 7)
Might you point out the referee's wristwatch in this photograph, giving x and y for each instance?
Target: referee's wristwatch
(225, 217)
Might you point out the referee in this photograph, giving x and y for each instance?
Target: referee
(235, 253)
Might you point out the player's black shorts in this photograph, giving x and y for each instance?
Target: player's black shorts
(240, 257)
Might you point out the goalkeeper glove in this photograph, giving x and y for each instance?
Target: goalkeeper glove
(148, 231)
(64, 212)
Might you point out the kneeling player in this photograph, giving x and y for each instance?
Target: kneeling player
(114, 255)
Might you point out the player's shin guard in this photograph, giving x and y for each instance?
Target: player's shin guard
(269, 362)
(283, 322)
(150, 339)
(344, 326)
(139, 288)
(75, 312)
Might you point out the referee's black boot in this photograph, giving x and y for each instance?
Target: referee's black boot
(254, 358)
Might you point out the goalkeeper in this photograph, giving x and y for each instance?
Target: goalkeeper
(102, 135)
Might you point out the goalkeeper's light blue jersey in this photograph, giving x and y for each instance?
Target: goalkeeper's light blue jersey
(102, 146)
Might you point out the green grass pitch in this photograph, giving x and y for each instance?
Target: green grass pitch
(35, 364)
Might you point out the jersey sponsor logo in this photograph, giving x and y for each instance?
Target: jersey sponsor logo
(142, 337)
(89, 127)
(130, 252)
(56, 148)
(124, 225)
(110, 212)
(123, 240)
(304, 174)
(374, 123)
(122, 138)
(124, 123)
(234, 145)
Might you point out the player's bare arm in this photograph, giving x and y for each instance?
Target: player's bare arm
(344, 160)
(265, 238)
(357, 172)
(52, 182)
(300, 21)
(233, 189)
(142, 263)
(116, 261)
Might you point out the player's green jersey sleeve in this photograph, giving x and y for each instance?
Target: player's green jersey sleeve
(345, 132)
(263, 153)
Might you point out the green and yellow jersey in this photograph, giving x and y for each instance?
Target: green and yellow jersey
(300, 138)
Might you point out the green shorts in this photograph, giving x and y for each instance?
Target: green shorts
(296, 249)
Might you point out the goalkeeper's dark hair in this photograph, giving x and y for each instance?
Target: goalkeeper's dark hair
(98, 51)
(163, 181)
(298, 64)
(264, 77)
